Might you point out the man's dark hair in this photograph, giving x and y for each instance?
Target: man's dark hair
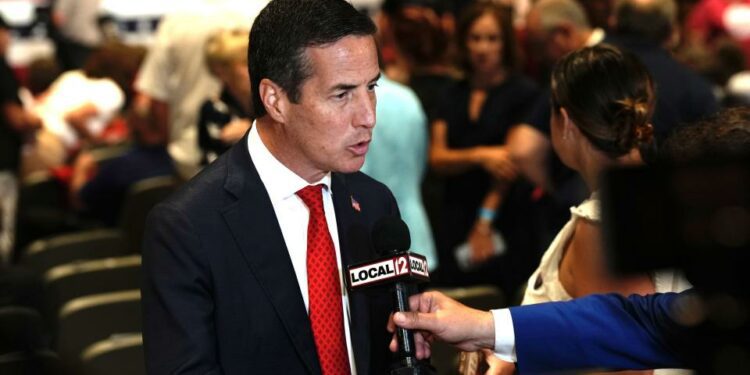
(652, 20)
(285, 28)
(724, 135)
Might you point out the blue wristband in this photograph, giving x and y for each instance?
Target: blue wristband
(486, 214)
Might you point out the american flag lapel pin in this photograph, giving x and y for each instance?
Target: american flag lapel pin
(355, 204)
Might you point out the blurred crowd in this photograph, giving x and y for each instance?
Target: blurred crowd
(467, 107)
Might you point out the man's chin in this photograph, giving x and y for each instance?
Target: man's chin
(351, 166)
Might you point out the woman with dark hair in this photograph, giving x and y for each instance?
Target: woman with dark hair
(596, 124)
(467, 147)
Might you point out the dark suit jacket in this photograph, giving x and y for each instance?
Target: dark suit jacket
(682, 96)
(220, 295)
(602, 331)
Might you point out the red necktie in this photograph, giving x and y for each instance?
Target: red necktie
(324, 288)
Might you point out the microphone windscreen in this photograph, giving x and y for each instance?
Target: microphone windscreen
(390, 235)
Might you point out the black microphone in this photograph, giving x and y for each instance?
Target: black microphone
(397, 266)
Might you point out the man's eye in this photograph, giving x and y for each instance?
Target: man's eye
(372, 86)
(341, 95)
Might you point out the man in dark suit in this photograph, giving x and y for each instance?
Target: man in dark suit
(243, 265)
(649, 29)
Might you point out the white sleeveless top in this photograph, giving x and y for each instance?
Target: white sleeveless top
(544, 284)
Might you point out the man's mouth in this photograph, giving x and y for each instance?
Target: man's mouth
(360, 148)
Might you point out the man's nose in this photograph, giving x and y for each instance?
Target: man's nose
(365, 111)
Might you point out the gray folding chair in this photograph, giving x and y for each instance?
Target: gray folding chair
(118, 355)
(21, 329)
(41, 255)
(90, 319)
(69, 281)
(141, 198)
(40, 362)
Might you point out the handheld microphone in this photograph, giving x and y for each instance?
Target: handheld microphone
(397, 266)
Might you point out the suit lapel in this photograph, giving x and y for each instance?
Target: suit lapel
(253, 224)
(352, 233)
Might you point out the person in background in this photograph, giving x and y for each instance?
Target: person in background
(555, 28)
(99, 190)
(76, 24)
(398, 158)
(225, 119)
(75, 111)
(596, 124)
(42, 73)
(649, 30)
(16, 126)
(416, 42)
(710, 20)
(173, 81)
(419, 35)
(467, 147)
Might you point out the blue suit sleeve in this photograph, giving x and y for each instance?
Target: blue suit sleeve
(599, 332)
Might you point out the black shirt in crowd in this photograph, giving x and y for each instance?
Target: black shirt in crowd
(10, 139)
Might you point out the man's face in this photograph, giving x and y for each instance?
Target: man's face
(330, 127)
(552, 44)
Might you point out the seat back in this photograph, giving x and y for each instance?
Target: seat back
(117, 355)
(141, 198)
(69, 281)
(104, 154)
(44, 254)
(20, 329)
(42, 362)
(87, 320)
(41, 210)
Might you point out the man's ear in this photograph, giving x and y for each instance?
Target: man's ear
(275, 100)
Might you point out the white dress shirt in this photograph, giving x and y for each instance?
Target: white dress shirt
(505, 336)
(292, 214)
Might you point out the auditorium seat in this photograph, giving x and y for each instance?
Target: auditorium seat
(41, 209)
(68, 281)
(44, 254)
(141, 198)
(445, 358)
(20, 330)
(40, 362)
(106, 153)
(117, 355)
(86, 320)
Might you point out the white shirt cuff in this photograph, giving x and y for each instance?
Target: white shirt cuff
(505, 337)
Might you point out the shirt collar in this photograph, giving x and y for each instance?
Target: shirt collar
(597, 35)
(280, 182)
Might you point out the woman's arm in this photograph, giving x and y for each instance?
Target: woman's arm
(480, 237)
(443, 159)
(446, 160)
